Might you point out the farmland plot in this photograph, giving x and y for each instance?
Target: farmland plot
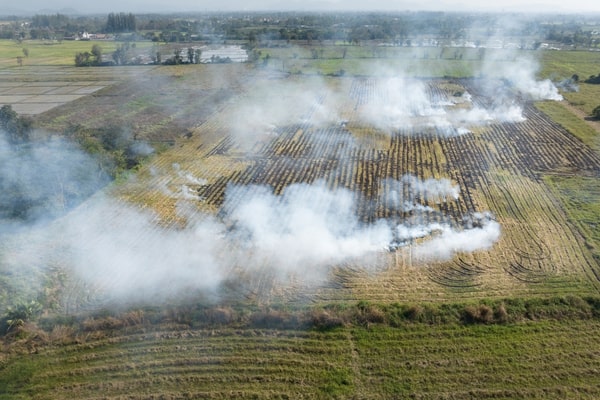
(156, 105)
(300, 188)
(420, 360)
(34, 90)
(444, 175)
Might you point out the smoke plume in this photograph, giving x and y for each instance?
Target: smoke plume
(42, 180)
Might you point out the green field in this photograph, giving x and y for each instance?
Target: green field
(519, 320)
(51, 53)
(378, 362)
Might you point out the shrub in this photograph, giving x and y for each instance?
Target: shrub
(596, 112)
(102, 324)
(62, 334)
(270, 319)
(219, 316)
(133, 318)
(21, 313)
(18, 128)
(481, 314)
(325, 320)
(369, 314)
(500, 314)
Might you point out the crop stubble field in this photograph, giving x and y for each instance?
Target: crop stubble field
(499, 167)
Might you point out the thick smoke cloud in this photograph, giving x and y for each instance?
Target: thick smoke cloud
(399, 103)
(119, 253)
(516, 68)
(305, 229)
(124, 255)
(446, 242)
(42, 180)
(266, 108)
(520, 73)
(405, 103)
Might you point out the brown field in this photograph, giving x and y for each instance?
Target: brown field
(499, 168)
(226, 127)
(36, 89)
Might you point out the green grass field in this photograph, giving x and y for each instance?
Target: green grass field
(413, 361)
(51, 53)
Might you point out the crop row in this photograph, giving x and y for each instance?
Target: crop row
(419, 360)
(498, 167)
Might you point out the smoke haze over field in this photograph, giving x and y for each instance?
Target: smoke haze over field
(122, 253)
(119, 252)
(311, 5)
(43, 180)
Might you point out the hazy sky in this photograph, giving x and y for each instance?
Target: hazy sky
(105, 6)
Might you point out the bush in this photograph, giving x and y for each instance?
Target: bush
(500, 314)
(62, 334)
(219, 316)
(596, 112)
(369, 314)
(274, 319)
(481, 314)
(18, 128)
(414, 313)
(102, 324)
(20, 314)
(594, 79)
(325, 320)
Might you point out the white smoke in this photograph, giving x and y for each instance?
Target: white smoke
(448, 242)
(404, 194)
(123, 253)
(262, 110)
(479, 116)
(307, 228)
(398, 104)
(43, 179)
(405, 103)
(187, 176)
(521, 74)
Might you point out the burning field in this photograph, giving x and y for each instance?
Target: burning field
(384, 188)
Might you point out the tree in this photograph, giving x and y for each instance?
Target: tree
(120, 56)
(87, 59)
(83, 59)
(97, 53)
(118, 23)
(18, 128)
(596, 113)
(594, 79)
(177, 56)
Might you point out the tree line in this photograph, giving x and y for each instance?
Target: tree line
(121, 22)
(289, 26)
